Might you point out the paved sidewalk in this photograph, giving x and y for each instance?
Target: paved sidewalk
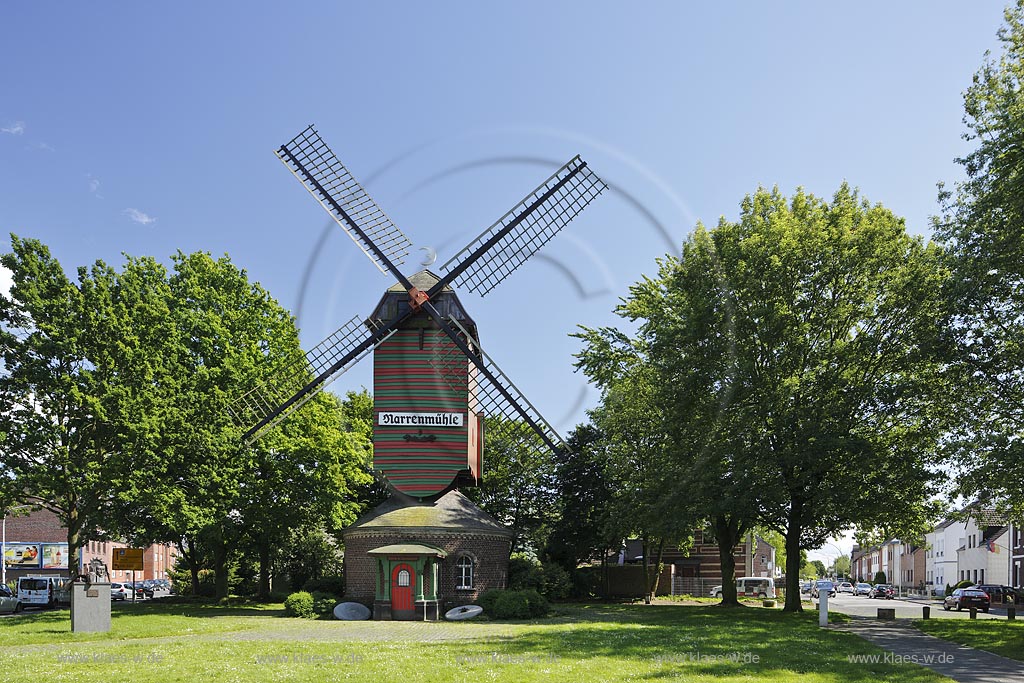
(961, 663)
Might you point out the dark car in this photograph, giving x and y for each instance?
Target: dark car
(141, 589)
(883, 591)
(999, 595)
(966, 597)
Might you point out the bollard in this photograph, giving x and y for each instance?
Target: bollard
(823, 608)
(1011, 612)
(926, 612)
(974, 613)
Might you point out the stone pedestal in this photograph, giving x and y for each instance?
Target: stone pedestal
(90, 607)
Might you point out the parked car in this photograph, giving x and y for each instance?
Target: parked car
(750, 587)
(967, 597)
(883, 591)
(823, 585)
(141, 589)
(9, 602)
(39, 591)
(118, 591)
(862, 589)
(805, 587)
(999, 595)
(846, 587)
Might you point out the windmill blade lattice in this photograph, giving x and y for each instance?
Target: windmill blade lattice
(327, 179)
(293, 385)
(487, 399)
(527, 227)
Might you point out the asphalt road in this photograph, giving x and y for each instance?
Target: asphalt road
(863, 606)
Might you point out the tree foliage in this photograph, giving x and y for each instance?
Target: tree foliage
(982, 225)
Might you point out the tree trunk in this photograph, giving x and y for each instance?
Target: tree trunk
(188, 551)
(727, 534)
(604, 572)
(263, 591)
(220, 568)
(646, 565)
(74, 548)
(793, 529)
(652, 581)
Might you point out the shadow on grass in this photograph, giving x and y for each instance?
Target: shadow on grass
(669, 641)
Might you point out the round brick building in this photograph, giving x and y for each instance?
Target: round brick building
(410, 559)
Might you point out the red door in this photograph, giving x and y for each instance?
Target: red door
(403, 578)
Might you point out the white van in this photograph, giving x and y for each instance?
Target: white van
(39, 591)
(750, 587)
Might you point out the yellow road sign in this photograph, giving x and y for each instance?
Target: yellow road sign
(127, 558)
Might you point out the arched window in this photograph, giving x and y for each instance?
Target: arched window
(403, 577)
(464, 572)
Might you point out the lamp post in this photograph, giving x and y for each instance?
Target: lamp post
(3, 543)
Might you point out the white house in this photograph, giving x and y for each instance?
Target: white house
(984, 549)
(941, 557)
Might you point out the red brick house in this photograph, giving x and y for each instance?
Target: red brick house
(36, 543)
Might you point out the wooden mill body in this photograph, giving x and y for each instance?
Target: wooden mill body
(419, 372)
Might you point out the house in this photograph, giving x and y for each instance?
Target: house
(941, 556)
(983, 549)
(697, 571)
(37, 543)
(1016, 568)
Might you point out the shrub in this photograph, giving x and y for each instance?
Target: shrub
(963, 584)
(487, 600)
(324, 603)
(299, 605)
(949, 589)
(879, 577)
(523, 573)
(556, 584)
(512, 605)
(334, 585)
(537, 602)
(507, 604)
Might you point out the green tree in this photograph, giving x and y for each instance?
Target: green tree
(226, 335)
(78, 381)
(819, 568)
(647, 501)
(982, 225)
(518, 486)
(842, 565)
(584, 495)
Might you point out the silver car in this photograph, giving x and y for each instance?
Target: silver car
(9, 602)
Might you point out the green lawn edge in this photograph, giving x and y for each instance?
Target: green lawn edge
(998, 636)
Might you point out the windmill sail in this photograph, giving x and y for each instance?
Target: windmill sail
(293, 385)
(494, 396)
(331, 184)
(527, 227)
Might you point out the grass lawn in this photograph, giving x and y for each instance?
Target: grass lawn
(187, 642)
(1004, 638)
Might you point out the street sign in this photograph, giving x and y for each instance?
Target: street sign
(127, 558)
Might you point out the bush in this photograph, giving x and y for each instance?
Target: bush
(487, 600)
(507, 604)
(538, 603)
(963, 584)
(324, 604)
(299, 605)
(334, 585)
(512, 605)
(556, 584)
(879, 577)
(524, 573)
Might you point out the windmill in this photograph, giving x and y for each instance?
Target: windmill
(433, 382)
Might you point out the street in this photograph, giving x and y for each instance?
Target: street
(862, 606)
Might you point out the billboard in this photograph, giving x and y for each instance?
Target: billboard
(55, 555)
(22, 556)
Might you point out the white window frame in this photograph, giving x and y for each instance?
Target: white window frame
(463, 564)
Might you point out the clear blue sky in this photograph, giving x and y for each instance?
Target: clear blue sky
(143, 129)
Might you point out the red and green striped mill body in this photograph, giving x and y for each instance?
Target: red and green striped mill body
(426, 437)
